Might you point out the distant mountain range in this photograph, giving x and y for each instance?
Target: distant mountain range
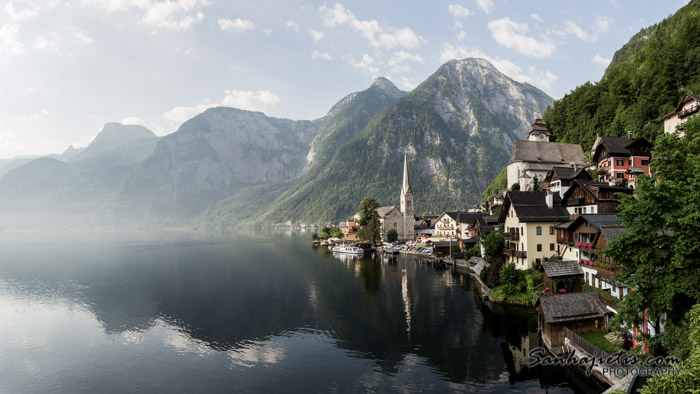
(227, 166)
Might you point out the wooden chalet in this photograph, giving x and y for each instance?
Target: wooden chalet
(559, 179)
(579, 312)
(593, 197)
(614, 155)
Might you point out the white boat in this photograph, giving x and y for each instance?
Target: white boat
(347, 249)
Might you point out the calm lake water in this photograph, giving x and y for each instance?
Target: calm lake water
(183, 312)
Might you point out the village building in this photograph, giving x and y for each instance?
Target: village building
(579, 312)
(607, 270)
(537, 156)
(576, 239)
(446, 225)
(674, 120)
(584, 197)
(350, 227)
(529, 219)
(562, 277)
(559, 179)
(401, 220)
(465, 222)
(615, 155)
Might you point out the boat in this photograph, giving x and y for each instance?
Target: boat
(347, 249)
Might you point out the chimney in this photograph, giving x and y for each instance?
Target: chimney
(629, 134)
(549, 199)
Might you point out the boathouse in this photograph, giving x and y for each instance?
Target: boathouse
(562, 277)
(579, 312)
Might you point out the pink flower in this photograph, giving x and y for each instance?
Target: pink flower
(546, 289)
(562, 290)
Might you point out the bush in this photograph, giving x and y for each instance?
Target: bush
(511, 280)
(474, 251)
(484, 274)
(392, 235)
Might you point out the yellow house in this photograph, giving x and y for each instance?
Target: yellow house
(528, 227)
(674, 120)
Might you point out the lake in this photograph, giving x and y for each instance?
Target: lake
(247, 312)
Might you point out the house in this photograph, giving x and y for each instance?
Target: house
(537, 156)
(465, 221)
(579, 312)
(559, 179)
(607, 270)
(633, 174)
(351, 227)
(529, 219)
(483, 226)
(674, 120)
(585, 197)
(562, 277)
(614, 155)
(499, 197)
(446, 225)
(576, 239)
(442, 249)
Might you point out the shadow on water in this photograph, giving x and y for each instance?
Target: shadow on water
(226, 290)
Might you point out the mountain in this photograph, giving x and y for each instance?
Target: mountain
(208, 158)
(112, 136)
(458, 128)
(645, 80)
(70, 187)
(340, 125)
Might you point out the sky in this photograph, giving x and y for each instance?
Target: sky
(68, 67)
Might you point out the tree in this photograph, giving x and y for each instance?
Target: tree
(392, 235)
(369, 220)
(661, 253)
(474, 251)
(510, 279)
(535, 184)
(515, 186)
(493, 246)
(688, 380)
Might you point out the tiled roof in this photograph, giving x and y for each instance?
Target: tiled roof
(469, 217)
(547, 152)
(588, 187)
(568, 173)
(561, 308)
(597, 219)
(616, 146)
(555, 269)
(477, 264)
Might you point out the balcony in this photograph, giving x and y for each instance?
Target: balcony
(511, 236)
(508, 252)
(515, 253)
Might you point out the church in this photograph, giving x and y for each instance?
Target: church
(402, 220)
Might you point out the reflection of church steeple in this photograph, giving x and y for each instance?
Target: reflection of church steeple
(407, 295)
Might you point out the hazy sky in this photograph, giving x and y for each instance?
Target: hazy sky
(67, 67)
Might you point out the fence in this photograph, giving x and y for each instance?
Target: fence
(580, 342)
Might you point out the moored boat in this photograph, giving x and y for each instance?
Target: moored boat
(347, 249)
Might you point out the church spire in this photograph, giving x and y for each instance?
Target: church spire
(406, 187)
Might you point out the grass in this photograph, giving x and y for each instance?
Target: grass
(498, 294)
(599, 340)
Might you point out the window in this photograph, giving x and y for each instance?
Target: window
(551, 230)
(539, 230)
(551, 247)
(645, 162)
(619, 163)
(630, 162)
(539, 247)
(620, 175)
(521, 231)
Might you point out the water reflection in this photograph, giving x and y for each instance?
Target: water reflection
(271, 302)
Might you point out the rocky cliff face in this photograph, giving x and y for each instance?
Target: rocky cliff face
(458, 128)
(211, 156)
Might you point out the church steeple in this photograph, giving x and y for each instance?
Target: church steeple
(406, 187)
(407, 203)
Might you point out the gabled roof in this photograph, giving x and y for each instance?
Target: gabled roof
(384, 211)
(616, 146)
(547, 152)
(592, 188)
(568, 173)
(556, 269)
(596, 220)
(469, 217)
(610, 231)
(487, 220)
(532, 207)
(454, 215)
(685, 99)
(562, 308)
(635, 170)
(477, 264)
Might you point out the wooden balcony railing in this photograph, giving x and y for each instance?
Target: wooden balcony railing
(508, 236)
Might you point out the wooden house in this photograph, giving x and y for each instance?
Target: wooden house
(559, 179)
(579, 312)
(562, 277)
(593, 197)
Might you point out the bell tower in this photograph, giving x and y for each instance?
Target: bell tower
(407, 204)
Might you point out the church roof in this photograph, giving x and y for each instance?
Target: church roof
(547, 152)
(384, 211)
(539, 127)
